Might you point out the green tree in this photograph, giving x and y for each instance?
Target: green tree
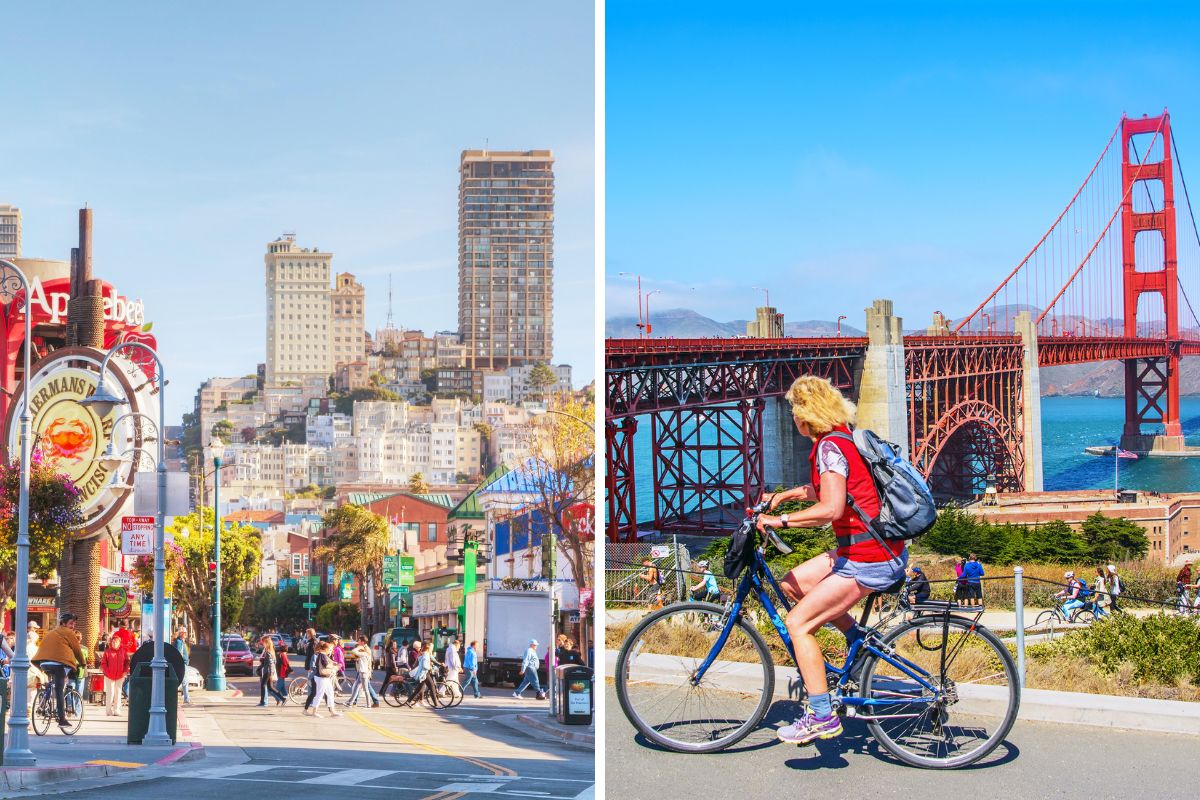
(417, 484)
(377, 380)
(1114, 539)
(339, 617)
(344, 404)
(356, 542)
(1055, 543)
(541, 378)
(223, 430)
(954, 533)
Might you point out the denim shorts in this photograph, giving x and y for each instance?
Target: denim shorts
(876, 575)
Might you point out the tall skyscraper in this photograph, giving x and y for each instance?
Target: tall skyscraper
(506, 257)
(348, 320)
(10, 232)
(298, 312)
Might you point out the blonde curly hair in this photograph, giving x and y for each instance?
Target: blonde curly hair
(818, 403)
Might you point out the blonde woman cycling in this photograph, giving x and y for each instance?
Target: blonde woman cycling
(826, 586)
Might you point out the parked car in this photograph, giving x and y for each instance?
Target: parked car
(237, 655)
(284, 643)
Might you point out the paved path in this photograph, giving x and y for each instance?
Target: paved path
(1039, 760)
(406, 754)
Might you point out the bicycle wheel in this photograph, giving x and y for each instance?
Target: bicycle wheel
(1049, 620)
(298, 690)
(72, 712)
(456, 693)
(1083, 616)
(654, 679)
(973, 708)
(391, 694)
(42, 713)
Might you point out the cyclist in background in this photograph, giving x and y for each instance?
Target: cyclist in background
(827, 586)
(59, 653)
(1072, 595)
(706, 588)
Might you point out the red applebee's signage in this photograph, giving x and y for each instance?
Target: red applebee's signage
(137, 536)
(50, 300)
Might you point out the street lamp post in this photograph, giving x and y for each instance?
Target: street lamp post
(839, 324)
(18, 754)
(103, 401)
(216, 673)
(641, 324)
(649, 329)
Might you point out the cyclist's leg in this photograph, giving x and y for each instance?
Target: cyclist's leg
(805, 577)
(826, 602)
(58, 674)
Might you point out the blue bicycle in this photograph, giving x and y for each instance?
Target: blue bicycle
(937, 691)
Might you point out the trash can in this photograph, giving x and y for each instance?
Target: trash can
(140, 684)
(573, 702)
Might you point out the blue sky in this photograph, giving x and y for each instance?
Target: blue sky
(200, 133)
(895, 150)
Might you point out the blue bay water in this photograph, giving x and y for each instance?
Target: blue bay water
(1069, 424)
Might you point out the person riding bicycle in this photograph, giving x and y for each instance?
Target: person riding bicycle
(60, 653)
(827, 586)
(706, 588)
(1073, 595)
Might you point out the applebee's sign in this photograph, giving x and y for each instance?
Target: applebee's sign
(49, 300)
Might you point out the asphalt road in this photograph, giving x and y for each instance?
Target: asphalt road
(408, 754)
(1039, 760)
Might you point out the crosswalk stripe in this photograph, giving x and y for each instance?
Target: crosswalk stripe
(466, 788)
(348, 777)
(227, 772)
(587, 794)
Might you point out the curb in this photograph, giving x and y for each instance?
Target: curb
(28, 777)
(188, 751)
(578, 738)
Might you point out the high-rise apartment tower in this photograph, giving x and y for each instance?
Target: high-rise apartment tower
(10, 232)
(506, 257)
(348, 320)
(298, 312)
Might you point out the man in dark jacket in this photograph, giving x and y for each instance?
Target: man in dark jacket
(918, 586)
(310, 665)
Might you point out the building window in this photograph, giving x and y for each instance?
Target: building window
(432, 531)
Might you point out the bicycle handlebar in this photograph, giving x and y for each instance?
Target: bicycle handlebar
(769, 534)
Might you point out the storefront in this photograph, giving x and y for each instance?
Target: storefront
(436, 608)
(43, 606)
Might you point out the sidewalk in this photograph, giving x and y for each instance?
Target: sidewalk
(98, 750)
(543, 725)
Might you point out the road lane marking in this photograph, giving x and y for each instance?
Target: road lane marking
(348, 777)
(495, 769)
(440, 795)
(228, 772)
(102, 762)
(483, 787)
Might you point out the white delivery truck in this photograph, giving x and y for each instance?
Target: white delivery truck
(503, 622)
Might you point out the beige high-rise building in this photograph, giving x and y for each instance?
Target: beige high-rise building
(348, 343)
(506, 257)
(299, 326)
(10, 232)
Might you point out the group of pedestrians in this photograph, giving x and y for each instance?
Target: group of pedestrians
(1100, 597)
(968, 581)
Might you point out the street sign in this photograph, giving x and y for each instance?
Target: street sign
(660, 551)
(396, 589)
(137, 536)
(310, 605)
(408, 571)
(391, 570)
(145, 493)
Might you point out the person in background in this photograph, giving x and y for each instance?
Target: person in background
(1100, 594)
(1115, 587)
(391, 665)
(918, 585)
(471, 665)
(453, 661)
(529, 670)
(973, 572)
(115, 667)
(32, 638)
(654, 582)
(422, 674)
(285, 669)
(414, 653)
(362, 674)
(338, 655)
(268, 673)
(1072, 595)
(7, 653)
(706, 589)
(310, 661)
(960, 581)
(181, 644)
(326, 670)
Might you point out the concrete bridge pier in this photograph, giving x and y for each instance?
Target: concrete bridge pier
(785, 451)
(1031, 402)
(882, 389)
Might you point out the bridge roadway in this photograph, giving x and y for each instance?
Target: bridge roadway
(1039, 760)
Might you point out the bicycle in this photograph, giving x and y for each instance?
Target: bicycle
(1052, 617)
(939, 691)
(43, 713)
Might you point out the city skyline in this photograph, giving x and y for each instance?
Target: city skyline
(353, 144)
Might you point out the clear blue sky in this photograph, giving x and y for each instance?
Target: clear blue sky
(912, 151)
(198, 133)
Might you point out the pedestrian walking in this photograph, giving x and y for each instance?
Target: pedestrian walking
(268, 673)
(326, 670)
(285, 670)
(973, 572)
(471, 665)
(453, 661)
(362, 680)
(392, 665)
(181, 644)
(339, 657)
(1115, 587)
(1100, 594)
(115, 667)
(529, 668)
(31, 639)
(310, 662)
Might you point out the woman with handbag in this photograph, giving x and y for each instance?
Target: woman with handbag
(326, 672)
(268, 674)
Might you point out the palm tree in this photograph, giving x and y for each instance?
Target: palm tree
(356, 544)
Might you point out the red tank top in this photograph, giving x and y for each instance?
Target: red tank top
(861, 487)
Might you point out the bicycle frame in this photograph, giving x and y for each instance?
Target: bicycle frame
(752, 583)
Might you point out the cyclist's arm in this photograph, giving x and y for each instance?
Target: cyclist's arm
(831, 506)
(802, 493)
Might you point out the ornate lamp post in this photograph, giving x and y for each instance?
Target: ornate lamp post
(103, 401)
(215, 682)
(18, 754)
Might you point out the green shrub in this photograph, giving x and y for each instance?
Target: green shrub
(1162, 648)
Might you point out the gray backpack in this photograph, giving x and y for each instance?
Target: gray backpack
(906, 507)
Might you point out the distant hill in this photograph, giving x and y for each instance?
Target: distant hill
(683, 323)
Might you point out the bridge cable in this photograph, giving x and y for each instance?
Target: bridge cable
(1195, 229)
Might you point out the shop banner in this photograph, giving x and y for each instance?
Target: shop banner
(115, 600)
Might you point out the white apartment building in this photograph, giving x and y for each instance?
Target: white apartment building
(299, 324)
(328, 430)
(10, 232)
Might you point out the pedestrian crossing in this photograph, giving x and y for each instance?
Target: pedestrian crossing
(427, 783)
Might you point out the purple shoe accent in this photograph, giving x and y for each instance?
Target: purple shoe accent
(809, 728)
